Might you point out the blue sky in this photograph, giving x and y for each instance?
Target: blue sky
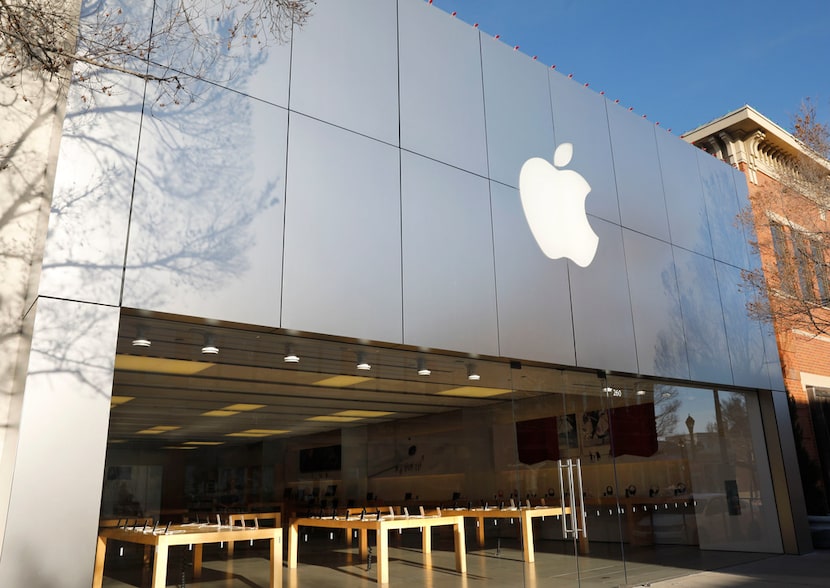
(679, 62)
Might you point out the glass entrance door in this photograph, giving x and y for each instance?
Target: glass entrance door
(564, 463)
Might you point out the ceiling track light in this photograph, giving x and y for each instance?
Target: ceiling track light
(210, 347)
(362, 364)
(290, 356)
(472, 373)
(141, 339)
(422, 368)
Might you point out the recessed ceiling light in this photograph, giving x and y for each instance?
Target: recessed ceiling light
(290, 356)
(474, 392)
(330, 418)
(141, 339)
(340, 381)
(363, 413)
(210, 347)
(257, 433)
(244, 407)
(220, 413)
(158, 429)
(159, 365)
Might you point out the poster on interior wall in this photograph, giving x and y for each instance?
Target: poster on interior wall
(634, 430)
(538, 440)
(320, 459)
(568, 432)
(595, 429)
(414, 456)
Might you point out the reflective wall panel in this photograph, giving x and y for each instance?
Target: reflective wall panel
(603, 324)
(742, 229)
(688, 223)
(206, 230)
(579, 118)
(722, 208)
(637, 169)
(448, 277)
(344, 67)
(442, 101)
(655, 303)
(703, 323)
(253, 66)
(84, 254)
(744, 336)
(61, 445)
(342, 263)
(517, 106)
(534, 321)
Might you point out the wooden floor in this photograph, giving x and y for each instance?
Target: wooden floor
(326, 562)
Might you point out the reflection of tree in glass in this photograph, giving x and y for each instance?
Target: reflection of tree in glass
(666, 405)
(734, 419)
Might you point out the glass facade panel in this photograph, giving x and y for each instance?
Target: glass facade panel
(534, 323)
(442, 100)
(344, 67)
(206, 230)
(603, 333)
(209, 61)
(723, 207)
(580, 118)
(744, 336)
(688, 223)
(637, 169)
(83, 258)
(703, 326)
(518, 108)
(655, 303)
(449, 298)
(342, 261)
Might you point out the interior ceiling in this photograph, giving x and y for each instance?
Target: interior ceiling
(162, 392)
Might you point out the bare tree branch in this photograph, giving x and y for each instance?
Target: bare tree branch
(789, 223)
(170, 42)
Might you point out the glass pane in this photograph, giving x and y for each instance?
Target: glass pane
(344, 67)
(290, 426)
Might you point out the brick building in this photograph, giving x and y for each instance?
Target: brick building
(790, 221)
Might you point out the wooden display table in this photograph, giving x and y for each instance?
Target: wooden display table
(382, 525)
(188, 534)
(524, 515)
(254, 518)
(647, 505)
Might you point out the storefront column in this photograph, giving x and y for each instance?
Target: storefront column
(58, 458)
(786, 478)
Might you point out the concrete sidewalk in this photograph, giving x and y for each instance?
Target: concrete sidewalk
(812, 569)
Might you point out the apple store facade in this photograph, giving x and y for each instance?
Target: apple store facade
(395, 263)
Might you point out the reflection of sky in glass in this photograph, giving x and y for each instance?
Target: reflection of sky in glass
(697, 402)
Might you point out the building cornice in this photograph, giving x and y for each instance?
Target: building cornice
(747, 137)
